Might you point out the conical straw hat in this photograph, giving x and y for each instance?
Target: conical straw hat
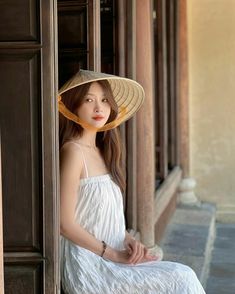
(128, 94)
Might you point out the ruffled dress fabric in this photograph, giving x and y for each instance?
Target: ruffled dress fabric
(100, 211)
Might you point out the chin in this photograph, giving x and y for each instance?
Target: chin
(99, 125)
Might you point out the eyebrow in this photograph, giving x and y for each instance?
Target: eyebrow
(91, 94)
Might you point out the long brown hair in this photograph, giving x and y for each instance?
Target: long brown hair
(109, 142)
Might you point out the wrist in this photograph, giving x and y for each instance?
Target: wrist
(104, 248)
(110, 253)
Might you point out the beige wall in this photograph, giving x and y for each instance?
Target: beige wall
(211, 32)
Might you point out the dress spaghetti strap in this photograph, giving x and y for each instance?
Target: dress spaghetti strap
(83, 157)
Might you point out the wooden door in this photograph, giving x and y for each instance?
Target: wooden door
(29, 160)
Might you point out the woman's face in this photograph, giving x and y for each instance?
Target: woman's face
(95, 108)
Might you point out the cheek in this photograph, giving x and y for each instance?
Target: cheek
(108, 109)
(108, 112)
(82, 111)
(79, 112)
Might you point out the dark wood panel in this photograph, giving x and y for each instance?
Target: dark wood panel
(20, 130)
(171, 33)
(70, 61)
(109, 44)
(22, 279)
(161, 90)
(72, 38)
(19, 20)
(71, 27)
(166, 104)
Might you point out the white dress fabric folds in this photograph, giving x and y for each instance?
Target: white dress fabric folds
(100, 211)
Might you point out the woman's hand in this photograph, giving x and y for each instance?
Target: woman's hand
(138, 253)
(135, 252)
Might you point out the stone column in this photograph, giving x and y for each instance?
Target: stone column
(145, 123)
(187, 185)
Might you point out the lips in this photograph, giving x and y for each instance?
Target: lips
(98, 118)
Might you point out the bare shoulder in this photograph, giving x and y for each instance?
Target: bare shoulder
(70, 156)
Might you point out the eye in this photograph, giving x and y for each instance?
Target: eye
(105, 100)
(88, 99)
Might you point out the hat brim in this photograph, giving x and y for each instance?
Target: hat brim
(128, 94)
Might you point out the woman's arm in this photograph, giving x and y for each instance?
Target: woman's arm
(71, 165)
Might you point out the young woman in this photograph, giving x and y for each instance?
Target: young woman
(98, 256)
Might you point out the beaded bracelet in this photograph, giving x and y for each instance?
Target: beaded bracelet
(104, 248)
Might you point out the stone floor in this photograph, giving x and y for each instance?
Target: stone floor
(194, 238)
(222, 266)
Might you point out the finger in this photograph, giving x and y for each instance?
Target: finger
(146, 252)
(140, 259)
(135, 251)
(152, 257)
(145, 256)
(139, 256)
(149, 259)
(129, 249)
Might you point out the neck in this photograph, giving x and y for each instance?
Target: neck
(88, 138)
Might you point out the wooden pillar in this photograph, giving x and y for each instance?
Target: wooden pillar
(183, 87)
(1, 234)
(145, 122)
(127, 67)
(187, 185)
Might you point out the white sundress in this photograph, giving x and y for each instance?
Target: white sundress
(99, 210)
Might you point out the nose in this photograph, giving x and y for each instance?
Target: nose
(98, 107)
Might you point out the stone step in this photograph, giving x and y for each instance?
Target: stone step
(189, 238)
(222, 266)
